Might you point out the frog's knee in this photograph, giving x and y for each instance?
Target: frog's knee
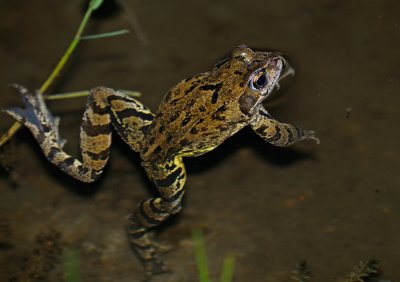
(100, 93)
(99, 89)
(172, 208)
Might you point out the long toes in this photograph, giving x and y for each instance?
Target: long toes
(155, 267)
(162, 247)
(15, 113)
(316, 139)
(20, 88)
(30, 99)
(35, 115)
(310, 134)
(150, 255)
(159, 247)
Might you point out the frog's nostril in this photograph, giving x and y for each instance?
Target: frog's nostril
(276, 62)
(273, 62)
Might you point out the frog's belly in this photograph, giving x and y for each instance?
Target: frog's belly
(197, 151)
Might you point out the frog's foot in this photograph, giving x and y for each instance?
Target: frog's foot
(152, 269)
(149, 253)
(155, 266)
(310, 135)
(36, 116)
(160, 247)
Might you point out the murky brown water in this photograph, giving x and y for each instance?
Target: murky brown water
(330, 205)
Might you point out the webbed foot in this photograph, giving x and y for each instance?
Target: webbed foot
(36, 116)
(310, 135)
(148, 250)
(155, 266)
(150, 253)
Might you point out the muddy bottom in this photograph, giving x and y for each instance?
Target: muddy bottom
(330, 205)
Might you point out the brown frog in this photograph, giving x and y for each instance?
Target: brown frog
(195, 117)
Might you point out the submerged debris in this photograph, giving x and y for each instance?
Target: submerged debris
(7, 162)
(37, 265)
(348, 111)
(363, 271)
(6, 235)
(302, 273)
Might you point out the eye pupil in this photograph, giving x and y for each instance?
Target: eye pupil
(260, 80)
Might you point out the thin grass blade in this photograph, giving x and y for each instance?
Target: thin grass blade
(201, 258)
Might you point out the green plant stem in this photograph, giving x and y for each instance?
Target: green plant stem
(69, 51)
(84, 93)
(227, 269)
(94, 4)
(59, 66)
(105, 35)
(71, 260)
(201, 258)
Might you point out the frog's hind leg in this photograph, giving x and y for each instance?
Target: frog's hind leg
(95, 133)
(169, 177)
(130, 118)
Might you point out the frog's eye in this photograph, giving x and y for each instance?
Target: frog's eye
(260, 80)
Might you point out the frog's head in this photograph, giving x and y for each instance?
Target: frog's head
(261, 72)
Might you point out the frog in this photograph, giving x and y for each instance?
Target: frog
(195, 116)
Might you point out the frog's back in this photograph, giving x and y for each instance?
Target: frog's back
(196, 115)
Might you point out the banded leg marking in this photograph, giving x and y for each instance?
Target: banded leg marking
(130, 119)
(169, 179)
(277, 133)
(103, 109)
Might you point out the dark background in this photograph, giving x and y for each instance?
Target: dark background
(330, 205)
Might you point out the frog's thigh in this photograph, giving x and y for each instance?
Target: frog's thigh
(169, 178)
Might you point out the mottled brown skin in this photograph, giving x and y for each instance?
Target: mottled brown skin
(199, 113)
(195, 117)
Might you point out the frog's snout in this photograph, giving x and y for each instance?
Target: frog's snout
(277, 63)
(286, 68)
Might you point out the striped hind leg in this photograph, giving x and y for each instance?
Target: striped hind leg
(105, 107)
(169, 177)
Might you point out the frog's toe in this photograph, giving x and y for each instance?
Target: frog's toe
(155, 266)
(27, 117)
(310, 135)
(162, 247)
(16, 113)
(35, 115)
(159, 247)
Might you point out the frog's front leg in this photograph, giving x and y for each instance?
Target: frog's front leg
(104, 108)
(169, 177)
(277, 133)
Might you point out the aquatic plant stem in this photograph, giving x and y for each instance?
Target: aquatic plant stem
(10, 132)
(78, 94)
(201, 257)
(71, 261)
(228, 269)
(106, 34)
(59, 66)
(93, 5)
